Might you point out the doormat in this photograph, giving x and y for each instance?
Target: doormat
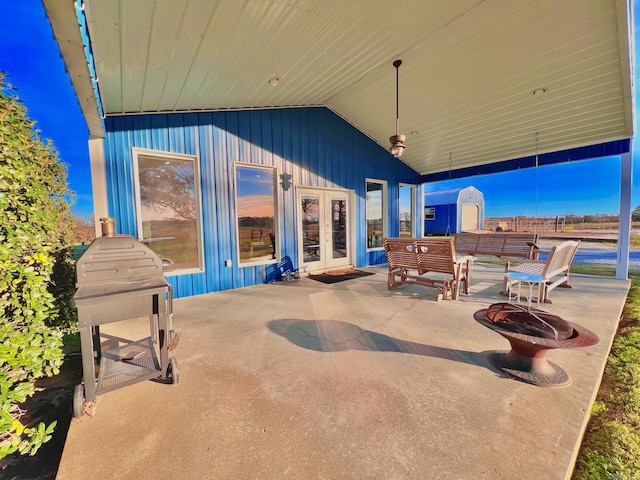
(335, 276)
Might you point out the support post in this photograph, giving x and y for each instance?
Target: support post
(624, 220)
(98, 182)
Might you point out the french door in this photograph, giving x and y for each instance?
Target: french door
(324, 228)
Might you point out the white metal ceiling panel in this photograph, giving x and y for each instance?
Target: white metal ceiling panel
(469, 71)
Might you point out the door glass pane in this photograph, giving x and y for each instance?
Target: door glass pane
(310, 229)
(339, 228)
(256, 206)
(406, 211)
(168, 209)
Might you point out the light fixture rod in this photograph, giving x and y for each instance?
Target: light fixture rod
(397, 64)
(397, 141)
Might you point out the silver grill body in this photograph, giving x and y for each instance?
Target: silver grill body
(120, 278)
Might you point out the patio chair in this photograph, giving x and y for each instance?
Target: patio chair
(555, 269)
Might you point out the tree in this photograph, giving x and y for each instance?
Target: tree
(84, 230)
(168, 187)
(35, 222)
(635, 215)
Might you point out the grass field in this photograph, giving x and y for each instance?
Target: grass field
(611, 445)
(174, 240)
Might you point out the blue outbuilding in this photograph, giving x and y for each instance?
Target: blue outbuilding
(453, 211)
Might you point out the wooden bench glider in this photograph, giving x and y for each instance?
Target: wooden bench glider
(515, 245)
(416, 260)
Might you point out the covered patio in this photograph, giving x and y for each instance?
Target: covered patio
(306, 380)
(309, 90)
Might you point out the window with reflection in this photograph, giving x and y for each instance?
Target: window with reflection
(375, 214)
(255, 209)
(406, 210)
(168, 207)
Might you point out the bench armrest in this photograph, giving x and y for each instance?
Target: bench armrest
(535, 250)
(464, 258)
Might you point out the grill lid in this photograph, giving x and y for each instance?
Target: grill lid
(117, 259)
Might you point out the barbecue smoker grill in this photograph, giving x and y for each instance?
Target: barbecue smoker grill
(119, 278)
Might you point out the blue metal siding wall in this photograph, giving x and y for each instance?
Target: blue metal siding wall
(313, 145)
(446, 219)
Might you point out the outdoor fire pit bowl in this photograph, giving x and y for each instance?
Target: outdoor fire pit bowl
(531, 332)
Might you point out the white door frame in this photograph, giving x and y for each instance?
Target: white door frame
(325, 262)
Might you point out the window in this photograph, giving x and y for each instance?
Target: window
(406, 210)
(429, 213)
(376, 208)
(168, 207)
(256, 214)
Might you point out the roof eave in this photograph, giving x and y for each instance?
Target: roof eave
(67, 32)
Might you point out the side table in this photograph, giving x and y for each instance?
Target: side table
(517, 278)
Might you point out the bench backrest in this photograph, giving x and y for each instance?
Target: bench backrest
(560, 258)
(401, 252)
(422, 254)
(436, 255)
(491, 243)
(466, 242)
(520, 245)
(498, 244)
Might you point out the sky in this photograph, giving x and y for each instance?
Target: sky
(578, 188)
(32, 62)
(255, 192)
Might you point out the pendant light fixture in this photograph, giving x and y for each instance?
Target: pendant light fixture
(397, 141)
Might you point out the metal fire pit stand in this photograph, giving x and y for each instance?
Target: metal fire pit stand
(526, 361)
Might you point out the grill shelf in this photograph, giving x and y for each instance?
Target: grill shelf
(98, 291)
(131, 363)
(120, 278)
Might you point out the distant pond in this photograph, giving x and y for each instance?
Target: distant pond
(602, 256)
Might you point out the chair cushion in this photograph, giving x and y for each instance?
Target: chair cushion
(528, 267)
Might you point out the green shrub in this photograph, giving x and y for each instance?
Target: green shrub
(62, 287)
(35, 223)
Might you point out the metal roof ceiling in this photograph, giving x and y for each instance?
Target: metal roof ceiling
(469, 70)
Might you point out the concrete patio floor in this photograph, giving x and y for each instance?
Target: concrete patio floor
(304, 380)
